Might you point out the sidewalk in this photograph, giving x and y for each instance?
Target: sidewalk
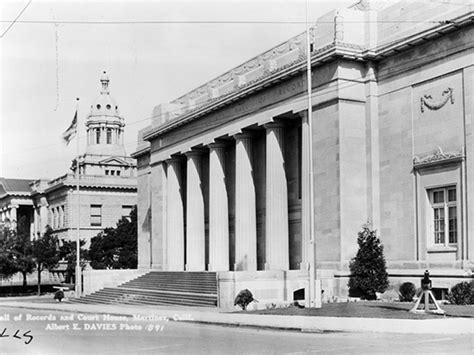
(297, 323)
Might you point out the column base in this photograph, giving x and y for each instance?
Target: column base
(215, 268)
(194, 268)
(175, 268)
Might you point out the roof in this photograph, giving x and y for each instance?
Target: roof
(14, 186)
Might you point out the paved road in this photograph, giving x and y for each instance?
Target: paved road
(38, 333)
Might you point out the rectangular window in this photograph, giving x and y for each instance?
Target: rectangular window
(97, 136)
(126, 212)
(453, 221)
(96, 215)
(109, 136)
(443, 202)
(439, 225)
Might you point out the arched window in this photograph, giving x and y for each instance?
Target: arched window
(109, 136)
(97, 136)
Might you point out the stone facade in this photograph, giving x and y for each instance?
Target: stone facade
(222, 170)
(107, 182)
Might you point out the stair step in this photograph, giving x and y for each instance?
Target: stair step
(148, 300)
(161, 288)
(157, 293)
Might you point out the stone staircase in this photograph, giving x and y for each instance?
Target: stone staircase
(160, 288)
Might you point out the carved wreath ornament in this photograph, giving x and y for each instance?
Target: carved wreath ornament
(428, 101)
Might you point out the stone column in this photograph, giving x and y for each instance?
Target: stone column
(195, 229)
(218, 210)
(276, 219)
(175, 217)
(13, 217)
(245, 206)
(152, 190)
(13, 214)
(44, 214)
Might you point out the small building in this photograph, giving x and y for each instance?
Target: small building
(107, 182)
(223, 169)
(15, 202)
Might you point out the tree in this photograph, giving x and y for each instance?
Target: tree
(46, 253)
(116, 248)
(67, 252)
(16, 255)
(7, 264)
(368, 268)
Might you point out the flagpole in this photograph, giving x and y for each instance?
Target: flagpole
(78, 247)
(314, 296)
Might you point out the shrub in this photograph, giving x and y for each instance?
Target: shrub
(462, 293)
(368, 268)
(243, 299)
(407, 291)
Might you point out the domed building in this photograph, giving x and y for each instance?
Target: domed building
(105, 152)
(107, 182)
(107, 187)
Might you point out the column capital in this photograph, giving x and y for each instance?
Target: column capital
(218, 144)
(275, 124)
(43, 202)
(175, 159)
(195, 152)
(157, 163)
(244, 135)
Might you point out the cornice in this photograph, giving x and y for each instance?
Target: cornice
(397, 46)
(140, 152)
(321, 56)
(438, 157)
(68, 181)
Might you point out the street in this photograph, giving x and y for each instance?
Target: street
(52, 332)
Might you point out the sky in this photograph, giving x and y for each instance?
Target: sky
(44, 67)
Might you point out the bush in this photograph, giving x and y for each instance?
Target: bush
(407, 291)
(462, 293)
(243, 299)
(368, 269)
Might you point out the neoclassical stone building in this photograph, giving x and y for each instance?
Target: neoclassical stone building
(107, 182)
(223, 170)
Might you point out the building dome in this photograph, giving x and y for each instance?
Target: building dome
(104, 104)
(105, 126)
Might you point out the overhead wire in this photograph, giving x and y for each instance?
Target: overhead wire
(15, 20)
(201, 22)
(57, 22)
(346, 85)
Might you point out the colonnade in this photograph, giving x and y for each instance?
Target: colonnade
(185, 206)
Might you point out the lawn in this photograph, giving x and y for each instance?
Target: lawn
(369, 309)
